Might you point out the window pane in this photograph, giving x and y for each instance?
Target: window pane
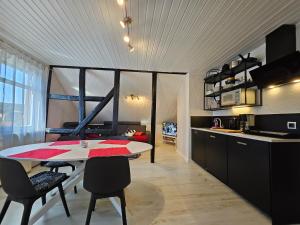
(19, 76)
(18, 95)
(1, 93)
(2, 70)
(9, 73)
(8, 93)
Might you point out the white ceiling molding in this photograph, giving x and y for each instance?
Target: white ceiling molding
(172, 35)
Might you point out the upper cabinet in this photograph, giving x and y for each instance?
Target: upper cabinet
(232, 85)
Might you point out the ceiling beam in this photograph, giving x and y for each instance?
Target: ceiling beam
(115, 69)
(75, 98)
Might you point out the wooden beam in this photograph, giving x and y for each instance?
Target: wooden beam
(94, 98)
(121, 70)
(75, 98)
(116, 102)
(81, 103)
(153, 115)
(48, 91)
(94, 113)
(63, 97)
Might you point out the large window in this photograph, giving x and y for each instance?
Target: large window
(22, 99)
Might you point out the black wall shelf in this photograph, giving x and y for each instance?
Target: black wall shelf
(245, 65)
(216, 96)
(224, 90)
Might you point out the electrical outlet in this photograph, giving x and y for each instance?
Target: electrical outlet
(291, 125)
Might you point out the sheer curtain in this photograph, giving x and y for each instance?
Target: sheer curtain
(22, 98)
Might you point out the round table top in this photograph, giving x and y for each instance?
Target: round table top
(73, 150)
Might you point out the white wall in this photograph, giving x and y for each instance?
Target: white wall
(59, 111)
(196, 95)
(183, 120)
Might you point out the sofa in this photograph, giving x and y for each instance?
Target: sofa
(123, 126)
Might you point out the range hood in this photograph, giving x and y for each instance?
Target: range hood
(282, 59)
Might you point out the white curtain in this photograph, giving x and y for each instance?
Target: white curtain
(22, 98)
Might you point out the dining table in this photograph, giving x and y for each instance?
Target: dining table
(76, 152)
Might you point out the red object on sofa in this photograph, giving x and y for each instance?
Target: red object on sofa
(141, 138)
(138, 133)
(92, 136)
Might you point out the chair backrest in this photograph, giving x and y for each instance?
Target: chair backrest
(14, 179)
(105, 175)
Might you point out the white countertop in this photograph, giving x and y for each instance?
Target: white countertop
(248, 136)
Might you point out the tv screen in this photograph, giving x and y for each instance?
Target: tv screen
(169, 128)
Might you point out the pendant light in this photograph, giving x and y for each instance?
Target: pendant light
(126, 23)
(126, 38)
(120, 2)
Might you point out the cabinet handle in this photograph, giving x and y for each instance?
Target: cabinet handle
(212, 136)
(241, 143)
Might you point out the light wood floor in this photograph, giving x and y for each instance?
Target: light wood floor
(169, 192)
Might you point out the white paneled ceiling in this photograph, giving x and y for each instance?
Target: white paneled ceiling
(168, 35)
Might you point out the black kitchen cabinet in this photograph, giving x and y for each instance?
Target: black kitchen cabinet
(249, 170)
(267, 174)
(216, 156)
(199, 139)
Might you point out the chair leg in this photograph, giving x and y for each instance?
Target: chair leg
(123, 207)
(26, 213)
(51, 169)
(4, 209)
(75, 188)
(56, 170)
(44, 199)
(63, 199)
(91, 208)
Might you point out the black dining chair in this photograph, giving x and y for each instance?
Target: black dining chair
(22, 189)
(55, 165)
(106, 177)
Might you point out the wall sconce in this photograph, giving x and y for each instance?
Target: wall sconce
(132, 97)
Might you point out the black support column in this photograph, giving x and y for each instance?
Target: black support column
(116, 102)
(48, 93)
(153, 115)
(81, 104)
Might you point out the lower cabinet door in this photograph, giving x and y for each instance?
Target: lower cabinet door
(249, 170)
(199, 147)
(216, 156)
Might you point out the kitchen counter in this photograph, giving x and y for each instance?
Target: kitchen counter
(249, 136)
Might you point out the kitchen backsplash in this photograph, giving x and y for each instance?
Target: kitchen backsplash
(269, 122)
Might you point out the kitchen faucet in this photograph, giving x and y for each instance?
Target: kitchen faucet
(218, 122)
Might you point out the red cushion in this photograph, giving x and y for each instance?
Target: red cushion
(138, 133)
(142, 138)
(92, 135)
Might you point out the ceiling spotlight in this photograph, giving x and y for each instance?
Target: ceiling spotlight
(120, 2)
(126, 21)
(126, 39)
(131, 48)
(122, 24)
